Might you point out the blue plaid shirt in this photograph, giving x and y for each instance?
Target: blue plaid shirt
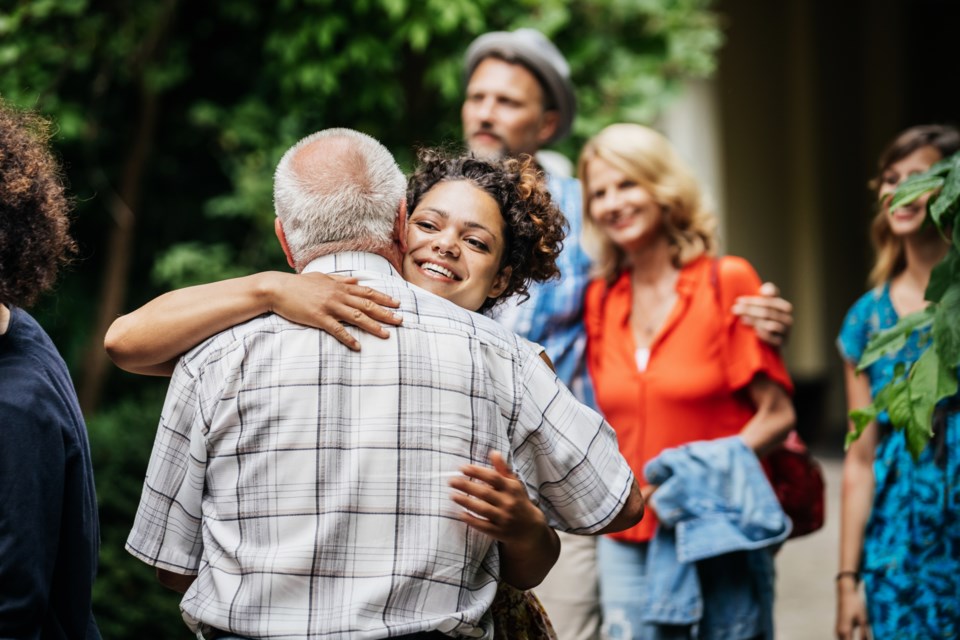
(553, 316)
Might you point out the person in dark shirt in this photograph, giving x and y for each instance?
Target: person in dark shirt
(49, 532)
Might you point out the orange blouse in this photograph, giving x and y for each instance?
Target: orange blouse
(691, 389)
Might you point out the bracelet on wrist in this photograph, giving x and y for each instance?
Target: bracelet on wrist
(848, 574)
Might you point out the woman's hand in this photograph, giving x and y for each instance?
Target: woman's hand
(324, 302)
(495, 502)
(499, 500)
(852, 621)
(770, 315)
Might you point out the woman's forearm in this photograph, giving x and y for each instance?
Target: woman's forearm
(150, 339)
(773, 419)
(856, 500)
(856, 496)
(524, 564)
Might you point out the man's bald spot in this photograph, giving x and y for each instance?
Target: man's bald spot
(329, 164)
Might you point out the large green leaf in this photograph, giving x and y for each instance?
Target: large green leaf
(894, 338)
(914, 187)
(946, 325)
(944, 274)
(898, 408)
(930, 381)
(949, 198)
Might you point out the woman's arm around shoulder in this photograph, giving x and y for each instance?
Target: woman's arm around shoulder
(758, 305)
(149, 340)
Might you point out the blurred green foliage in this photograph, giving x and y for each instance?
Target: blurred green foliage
(209, 95)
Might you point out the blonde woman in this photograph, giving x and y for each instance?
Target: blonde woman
(899, 531)
(671, 366)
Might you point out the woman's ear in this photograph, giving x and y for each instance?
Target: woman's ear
(500, 282)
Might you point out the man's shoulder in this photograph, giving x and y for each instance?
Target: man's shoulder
(428, 312)
(236, 337)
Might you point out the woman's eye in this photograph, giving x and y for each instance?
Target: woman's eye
(428, 226)
(479, 244)
(891, 178)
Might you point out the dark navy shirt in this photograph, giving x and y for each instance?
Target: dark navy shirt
(49, 532)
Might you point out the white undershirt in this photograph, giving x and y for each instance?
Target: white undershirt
(642, 356)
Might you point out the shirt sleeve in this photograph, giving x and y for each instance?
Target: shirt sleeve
(167, 529)
(855, 330)
(567, 454)
(747, 355)
(32, 458)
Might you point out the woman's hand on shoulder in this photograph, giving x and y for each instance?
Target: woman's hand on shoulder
(770, 315)
(328, 302)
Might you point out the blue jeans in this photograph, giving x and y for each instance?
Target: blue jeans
(623, 582)
(622, 568)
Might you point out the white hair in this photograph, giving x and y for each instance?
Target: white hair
(337, 190)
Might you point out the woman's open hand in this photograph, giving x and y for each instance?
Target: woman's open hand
(496, 502)
(327, 302)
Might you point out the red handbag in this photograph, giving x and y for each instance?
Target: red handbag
(794, 474)
(797, 480)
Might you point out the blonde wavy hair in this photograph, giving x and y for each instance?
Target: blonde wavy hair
(890, 258)
(647, 157)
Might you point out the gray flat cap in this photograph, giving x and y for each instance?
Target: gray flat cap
(532, 49)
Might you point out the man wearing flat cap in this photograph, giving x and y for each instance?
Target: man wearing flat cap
(519, 98)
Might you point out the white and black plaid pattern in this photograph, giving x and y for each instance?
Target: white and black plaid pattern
(306, 484)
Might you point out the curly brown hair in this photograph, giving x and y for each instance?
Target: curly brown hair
(535, 227)
(34, 225)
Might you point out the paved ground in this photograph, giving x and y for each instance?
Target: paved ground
(805, 570)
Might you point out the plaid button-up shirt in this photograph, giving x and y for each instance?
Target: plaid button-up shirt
(306, 484)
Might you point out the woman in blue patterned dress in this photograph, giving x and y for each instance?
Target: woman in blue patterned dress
(900, 518)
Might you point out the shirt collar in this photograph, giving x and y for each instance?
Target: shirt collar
(351, 261)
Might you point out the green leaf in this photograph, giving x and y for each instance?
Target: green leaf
(942, 167)
(929, 383)
(945, 273)
(950, 196)
(946, 326)
(918, 437)
(894, 338)
(898, 408)
(861, 419)
(914, 187)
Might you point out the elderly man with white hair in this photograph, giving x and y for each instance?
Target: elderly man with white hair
(298, 489)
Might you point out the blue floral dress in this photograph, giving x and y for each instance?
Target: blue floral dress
(911, 555)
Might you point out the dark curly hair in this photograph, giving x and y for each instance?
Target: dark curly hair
(34, 226)
(535, 227)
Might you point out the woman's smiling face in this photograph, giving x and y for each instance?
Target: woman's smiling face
(455, 244)
(909, 219)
